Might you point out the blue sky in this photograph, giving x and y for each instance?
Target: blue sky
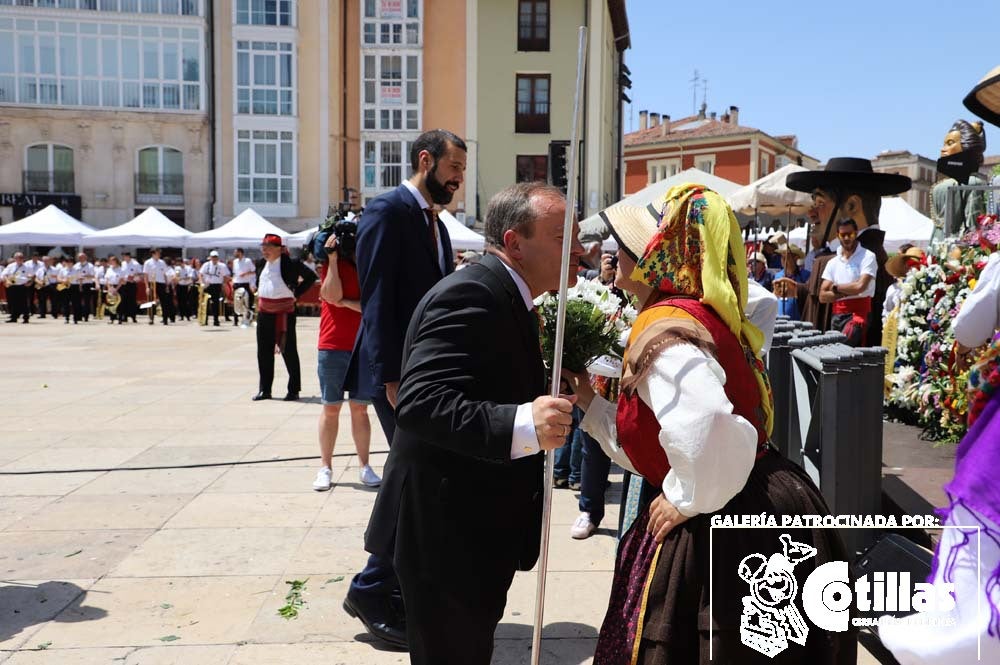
(850, 78)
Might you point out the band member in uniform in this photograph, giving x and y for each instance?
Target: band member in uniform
(213, 273)
(281, 280)
(185, 280)
(20, 280)
(131, 270)
(95, 296)
(46, 278)
(155, 271)
(244, 276)
(172, 287)
(86, 284)
(114, 276)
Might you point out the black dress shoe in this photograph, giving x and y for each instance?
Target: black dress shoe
(260, 396)
(291, 397)
(379, 621)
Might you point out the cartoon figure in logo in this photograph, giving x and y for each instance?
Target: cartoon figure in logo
(770, 618)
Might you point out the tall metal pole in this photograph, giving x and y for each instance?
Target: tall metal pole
(571, 174)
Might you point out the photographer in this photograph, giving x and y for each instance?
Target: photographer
(340, 317)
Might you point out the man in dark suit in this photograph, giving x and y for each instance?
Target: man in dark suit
(460, 503)
(402, 251)
(281, 281)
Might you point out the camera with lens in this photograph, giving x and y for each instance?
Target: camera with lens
(341, 223)
(346, 232)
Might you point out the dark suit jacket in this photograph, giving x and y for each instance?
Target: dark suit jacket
(451, 496)
(296, 275)
(396, 267)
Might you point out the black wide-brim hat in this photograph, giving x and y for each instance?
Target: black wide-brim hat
(850, 173)
(984, 100)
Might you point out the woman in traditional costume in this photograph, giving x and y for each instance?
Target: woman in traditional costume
(693, 418)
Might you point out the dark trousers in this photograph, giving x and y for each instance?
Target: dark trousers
(88, 301)
(594, 477)
(48, 301)
(18, 302)
(73, 303)
(166, 299)
(183, 300)
(130, 304)
(215, 305)
(265, 352)
(378, 576)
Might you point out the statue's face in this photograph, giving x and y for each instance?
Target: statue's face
(952, 143)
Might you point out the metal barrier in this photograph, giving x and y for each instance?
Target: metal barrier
(828, 418)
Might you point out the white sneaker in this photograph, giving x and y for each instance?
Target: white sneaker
(324, 480)
(368, 477)
(582, 528)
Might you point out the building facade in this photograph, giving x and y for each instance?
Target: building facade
(921, 170)
(520, 81)
(104, 109)
(713, 143)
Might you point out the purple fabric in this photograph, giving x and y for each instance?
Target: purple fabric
(975, 487)
(977, 463)
(635, 557)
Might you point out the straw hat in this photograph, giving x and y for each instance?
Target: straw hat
(794, 249)
(899, 264)
(759, 256)
(778, 239)
(632, 227)
(984, 100)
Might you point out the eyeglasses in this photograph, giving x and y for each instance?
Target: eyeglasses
(847, 236)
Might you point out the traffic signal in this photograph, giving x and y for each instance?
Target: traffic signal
(559, 164)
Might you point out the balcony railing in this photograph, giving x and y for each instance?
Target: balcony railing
(156, 189)
(49, 182)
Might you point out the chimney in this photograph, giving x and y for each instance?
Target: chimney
(643, 119)
(702, 110)
(734, 115)
(665, 125)
(654, 119)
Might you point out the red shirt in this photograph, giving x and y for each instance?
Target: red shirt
(338, 326)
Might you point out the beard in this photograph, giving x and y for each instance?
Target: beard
(440, 194)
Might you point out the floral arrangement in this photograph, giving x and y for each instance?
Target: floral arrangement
(926, 384)
(595, 320)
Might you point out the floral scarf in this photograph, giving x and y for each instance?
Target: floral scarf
(697, 252)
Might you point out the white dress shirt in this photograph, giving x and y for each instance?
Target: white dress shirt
(213, 273)
(114, 276)
(84, 273)
(422, 202)
(271, 284)
(242, 266)
(131, 268)
(22, 274)
(979, 316)
(762, 311)
(155, 270)
(711, 450)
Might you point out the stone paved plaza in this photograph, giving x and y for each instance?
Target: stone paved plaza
(188, 566)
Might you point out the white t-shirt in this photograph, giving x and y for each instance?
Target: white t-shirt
(844, 271)
(271, 284)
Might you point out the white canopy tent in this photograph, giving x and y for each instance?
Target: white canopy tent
(151, 228)
(770, 195)
(593, 227)
(462, 237)
(247, 229)
(49, 226)
(901, 223)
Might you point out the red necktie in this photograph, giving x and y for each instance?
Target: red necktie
(432, 226)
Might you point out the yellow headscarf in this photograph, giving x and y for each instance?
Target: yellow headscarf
(697, 251)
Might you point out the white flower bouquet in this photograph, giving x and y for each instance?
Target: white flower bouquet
(595, 320)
